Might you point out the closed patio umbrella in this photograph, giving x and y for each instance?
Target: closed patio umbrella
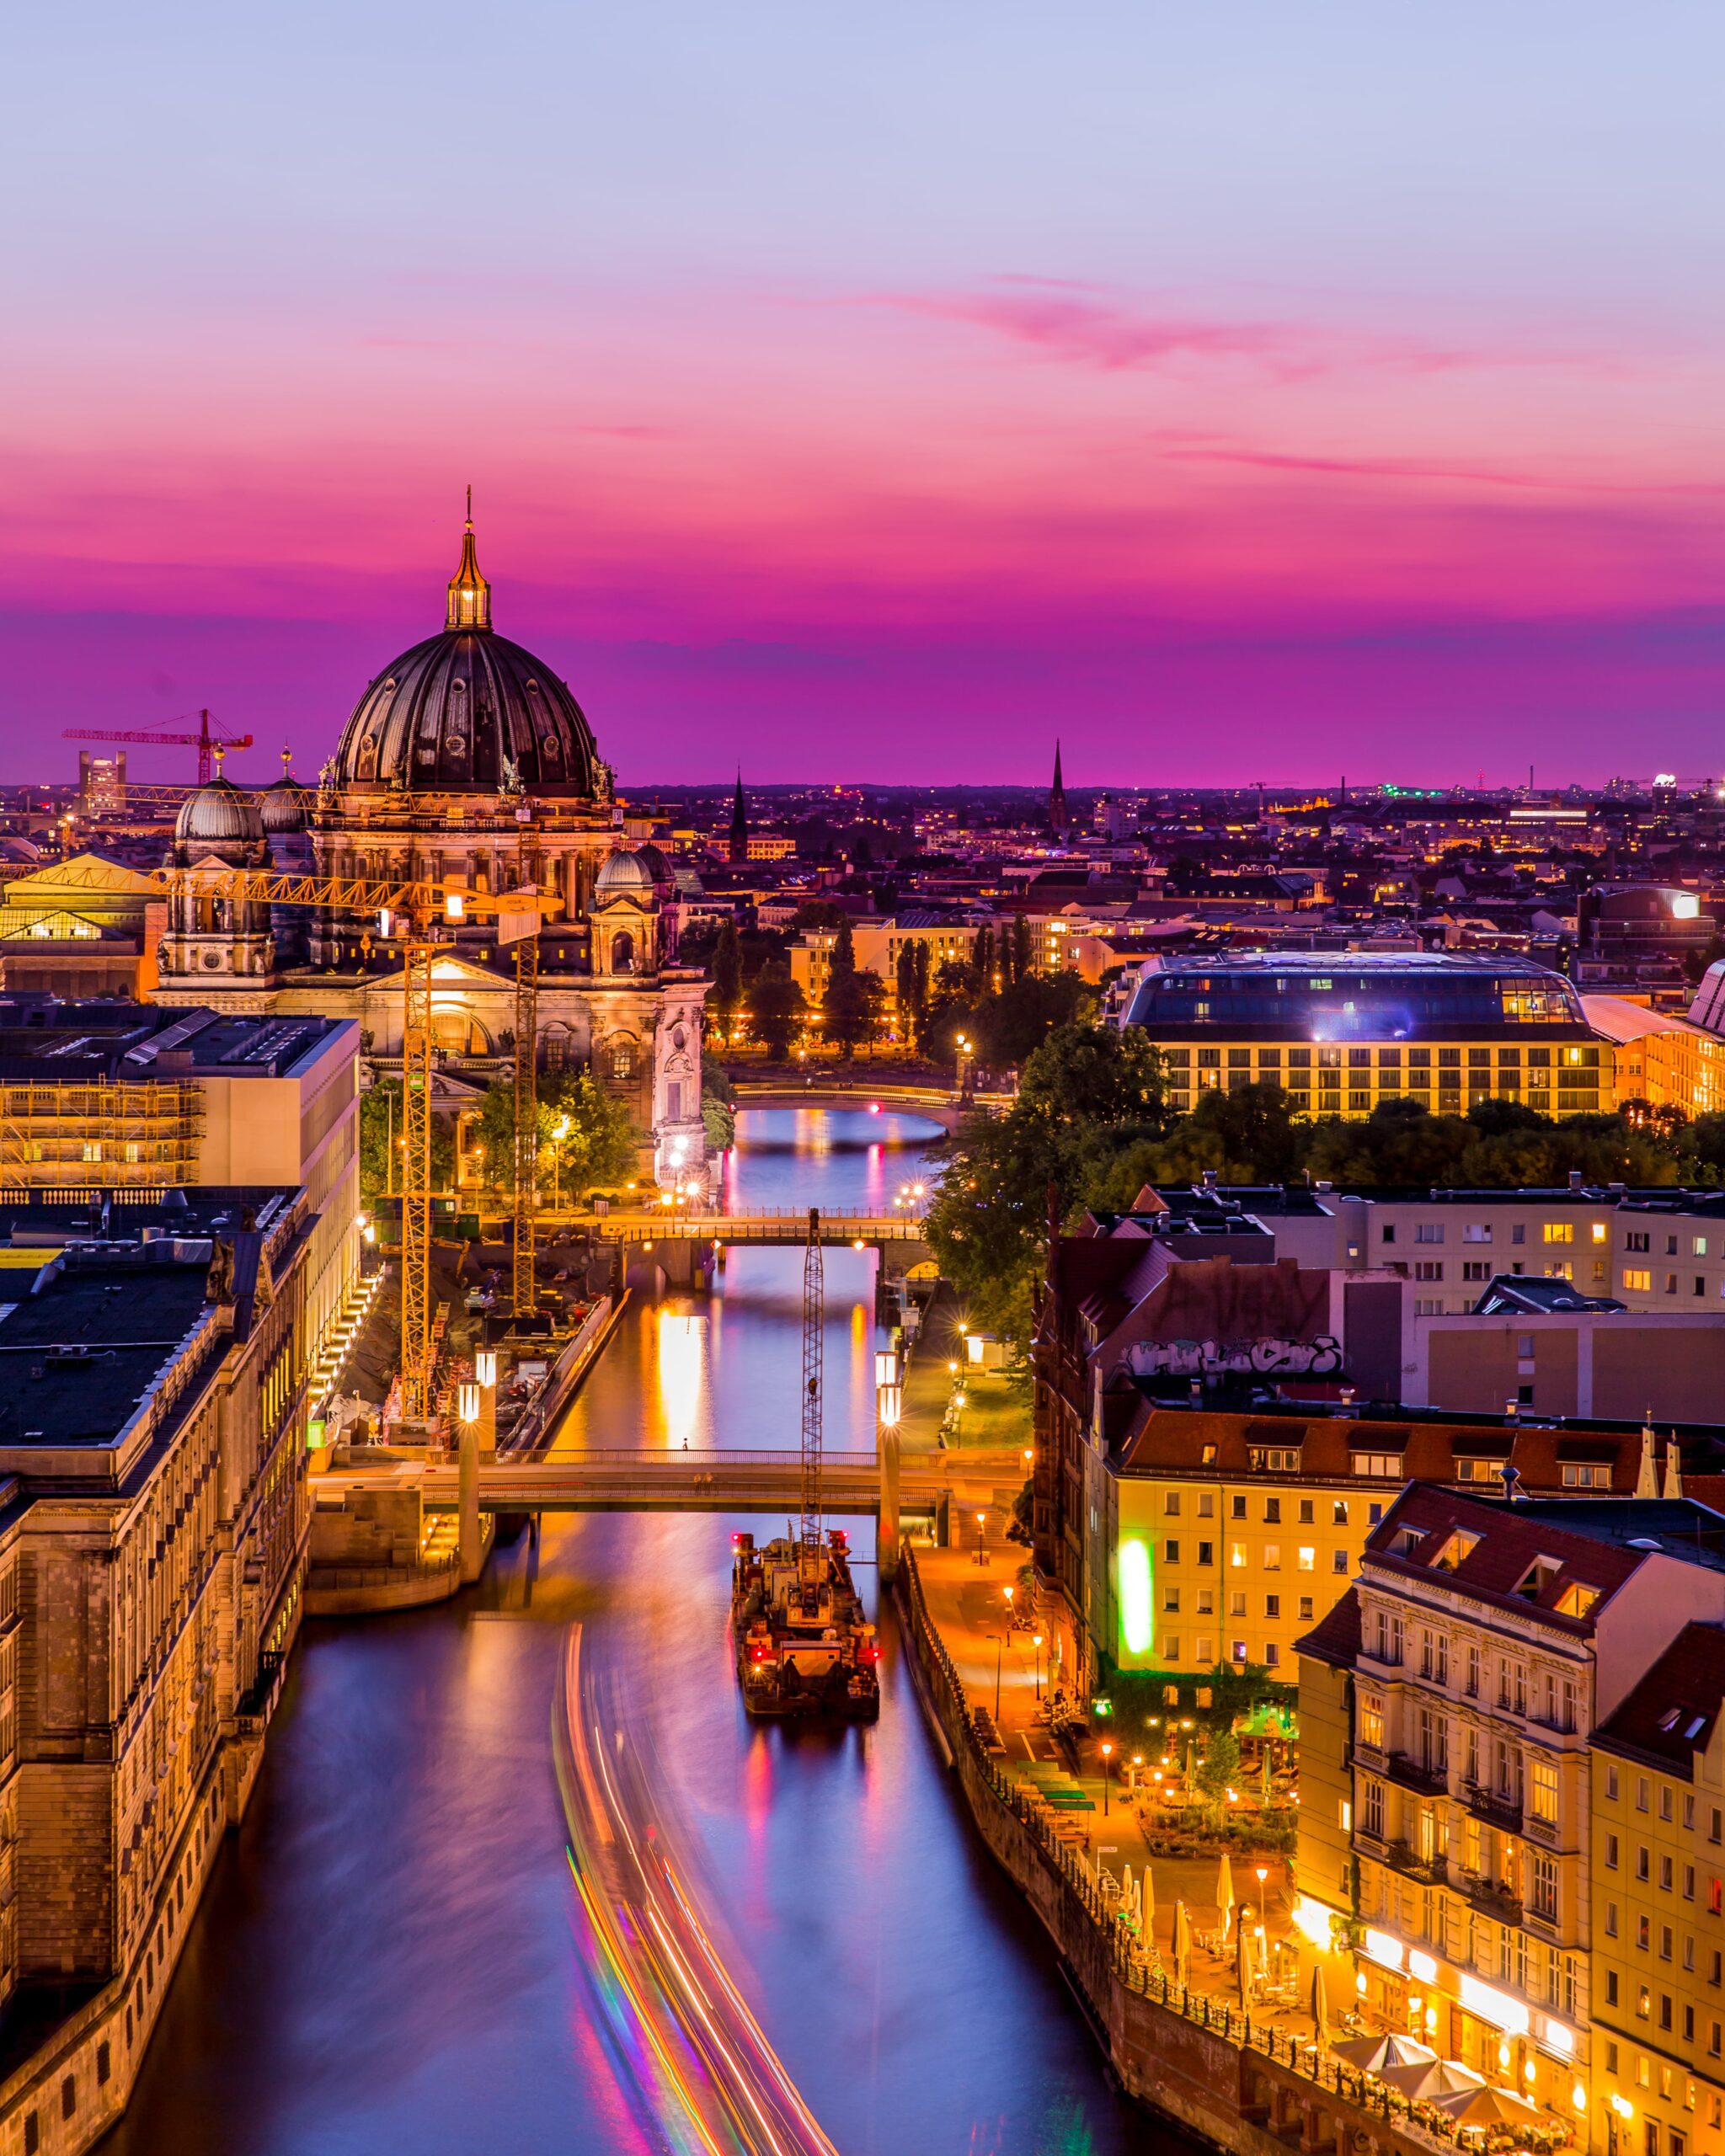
(1225, 1893)
(1320, 2006)
(1146, 1891)
(1182, 1943)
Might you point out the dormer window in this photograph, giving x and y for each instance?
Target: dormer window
(1576, 1600)
(1456, 1546)
(1540, 1575)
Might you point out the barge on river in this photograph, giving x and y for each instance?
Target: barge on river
(804, 1645)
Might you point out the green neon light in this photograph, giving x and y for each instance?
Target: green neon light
(1135, 1608)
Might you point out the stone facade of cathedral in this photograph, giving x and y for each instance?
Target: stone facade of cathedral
(467, 760)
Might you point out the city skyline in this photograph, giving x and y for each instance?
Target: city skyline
(1178, 387)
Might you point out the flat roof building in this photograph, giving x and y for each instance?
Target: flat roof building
(1341, 1031)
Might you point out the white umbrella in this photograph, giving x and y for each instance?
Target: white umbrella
(1182, 1943)
(1430, 2078)
(1372, 2054)
(1146, 1893)
(1488, 2106)
(1319, 2005)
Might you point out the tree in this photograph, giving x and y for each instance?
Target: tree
(718, 1107)
(585, 1138)
(911, 980)
(727, 970)
(381, 1128)
(1220, 1768)
(1084, 1085)
(1009, 1027)
(1023, 952)
(815, 916)
(852, 1010)
(980, 970)
(776, 1009)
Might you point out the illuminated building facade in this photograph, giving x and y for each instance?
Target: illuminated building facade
(1453, 1879)
(1341, 1032)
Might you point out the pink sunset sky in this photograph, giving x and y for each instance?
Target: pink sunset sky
(1236, 392)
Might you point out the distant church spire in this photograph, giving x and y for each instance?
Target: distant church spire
(1057, 799)
(740, 823)
(469, 594)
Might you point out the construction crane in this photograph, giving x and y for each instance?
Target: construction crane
(204, 741)
(413, 914)
(808, 1564)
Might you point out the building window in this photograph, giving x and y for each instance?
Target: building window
(1559, 1231)
(1371, 1817)
(1306, 1560)
(1206, 1553)
(1544, 1885)
(1171, 1553)
(1273, 1557)
(1428, 1232)
(1543, 1781)
(1273, 1607)
(1306, 1608)
(1339, 1562)
(1237, 1556)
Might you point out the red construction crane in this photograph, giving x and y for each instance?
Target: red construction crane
(204, 741)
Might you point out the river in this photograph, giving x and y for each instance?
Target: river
(387, 1959)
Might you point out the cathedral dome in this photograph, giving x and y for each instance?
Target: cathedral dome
(284, 806)
(456, 711)
(217, 814)
(624, 872)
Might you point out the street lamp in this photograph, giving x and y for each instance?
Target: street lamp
(1036, 1650)
(981, 1539)
(559, 1131)
(1107, 1751)
(466, 1395)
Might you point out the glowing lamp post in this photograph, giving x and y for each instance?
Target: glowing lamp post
(888, 1405)
(1107, 1751)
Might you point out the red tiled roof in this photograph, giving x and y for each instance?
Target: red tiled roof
(1669, 1716)
(1172, 1439)
(1336, 1640)
(1508, 1542)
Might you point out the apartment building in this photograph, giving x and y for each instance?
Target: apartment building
(1222, 1538)
(877, 945)
(1341, 1031)
(1657, 1851)
(1449, 1865)
(1650, 1249)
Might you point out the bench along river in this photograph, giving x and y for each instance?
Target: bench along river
(392, 1957)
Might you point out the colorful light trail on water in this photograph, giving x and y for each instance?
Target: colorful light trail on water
(689, 2054)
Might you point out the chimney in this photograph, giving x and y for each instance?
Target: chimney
(1210, 1178)
(1575, 1181)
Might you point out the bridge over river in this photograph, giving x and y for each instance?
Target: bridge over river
(653, 1481)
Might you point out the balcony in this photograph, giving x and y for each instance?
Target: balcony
(1489, 1898)
(1492, 1805)
(1409, 1774)
(1429, 1872)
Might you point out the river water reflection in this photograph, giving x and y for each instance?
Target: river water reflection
(386, 1960)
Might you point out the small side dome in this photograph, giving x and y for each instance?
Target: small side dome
(624, 871)
(285, 805)
(217, 814)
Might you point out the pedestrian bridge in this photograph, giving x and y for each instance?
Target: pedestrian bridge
(759, 1224)
(655, 1480)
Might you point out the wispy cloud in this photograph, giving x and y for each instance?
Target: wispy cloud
(1098, 326)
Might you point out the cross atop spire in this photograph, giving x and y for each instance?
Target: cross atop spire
(469, 594)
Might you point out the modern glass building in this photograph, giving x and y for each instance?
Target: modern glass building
(1342, 1030)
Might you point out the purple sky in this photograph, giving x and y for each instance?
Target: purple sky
(1238, 392)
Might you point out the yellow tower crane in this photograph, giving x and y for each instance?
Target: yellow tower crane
(413, 914)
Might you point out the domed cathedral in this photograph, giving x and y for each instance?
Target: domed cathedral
(467, 760)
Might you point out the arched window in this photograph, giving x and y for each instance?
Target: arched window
(622, 952)
(622, 1059)
(555, 1048)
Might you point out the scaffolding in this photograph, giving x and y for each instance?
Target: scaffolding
(130, 1139)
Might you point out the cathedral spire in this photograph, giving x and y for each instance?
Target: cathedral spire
(1057, 799)
(469, 594)
(740, 822)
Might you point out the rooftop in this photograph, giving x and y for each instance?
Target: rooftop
(1669, 1714)
(74, 1043)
